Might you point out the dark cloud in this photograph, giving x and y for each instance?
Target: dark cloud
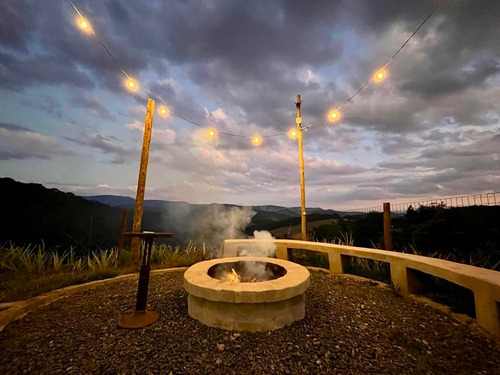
(108, 145)
(14, 127)
(238, 66)
(45, 103)
(249, 57)
(470, 75)
(18, 142)
(13, 24)
(83, 99)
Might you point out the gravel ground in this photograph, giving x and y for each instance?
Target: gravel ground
(351, 327)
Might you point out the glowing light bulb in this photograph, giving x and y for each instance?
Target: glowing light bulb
(163, 111)
(380, 75)
(131, 84)
(334, 115)
(84, 25)
(292, 133)
(256, 140)
(212, 133)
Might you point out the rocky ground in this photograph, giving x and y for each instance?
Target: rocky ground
(351, 327)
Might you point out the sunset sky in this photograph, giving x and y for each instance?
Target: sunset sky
(430, 129)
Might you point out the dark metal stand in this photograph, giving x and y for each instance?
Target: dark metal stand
(141, 317)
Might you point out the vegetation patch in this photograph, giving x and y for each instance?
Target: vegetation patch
(371, 269)
(26, 272)
(309, 258)
(458, 298)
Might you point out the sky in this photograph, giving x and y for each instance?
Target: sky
(430, 129)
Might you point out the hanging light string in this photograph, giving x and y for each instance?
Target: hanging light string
(381, 71)
(91, 30)
(333, 115)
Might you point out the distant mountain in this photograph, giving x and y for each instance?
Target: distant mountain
(270, 212)
(34, 214)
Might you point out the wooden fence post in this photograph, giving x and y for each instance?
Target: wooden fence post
(387, 227)
(122, 231)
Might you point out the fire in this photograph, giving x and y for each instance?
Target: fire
(233, 276)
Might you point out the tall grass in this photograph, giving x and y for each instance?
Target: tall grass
(31, 270)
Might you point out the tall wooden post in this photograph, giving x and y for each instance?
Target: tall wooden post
(141, 184)
(302, 180)
(123, 229)
(387, 227)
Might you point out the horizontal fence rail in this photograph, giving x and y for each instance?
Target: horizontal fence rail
(486, 199)
(404, 271)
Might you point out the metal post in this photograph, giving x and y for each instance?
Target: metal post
(302, 180)
(141, 184)
(142, 289)
(387, 227)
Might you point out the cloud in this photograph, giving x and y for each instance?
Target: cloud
(18, 142)
(238, 66)
(85, 100)
(46, 103)
(108, 145)
(159, 136)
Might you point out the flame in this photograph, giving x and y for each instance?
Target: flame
(233, 276)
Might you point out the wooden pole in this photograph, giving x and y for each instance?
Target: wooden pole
(123, 229)
(302, 180)
(387, 227)
(141, 184)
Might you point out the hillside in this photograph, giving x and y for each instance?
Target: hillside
(37, 214)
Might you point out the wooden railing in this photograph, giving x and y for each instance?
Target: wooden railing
(484, 283)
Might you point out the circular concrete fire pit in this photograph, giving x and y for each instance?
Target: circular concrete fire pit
(246, 293)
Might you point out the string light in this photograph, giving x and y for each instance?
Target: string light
(292, 133)
(380, 75)
(84, 25)
(256, 140)
(163, 111)
(131, 84)
(333, 115)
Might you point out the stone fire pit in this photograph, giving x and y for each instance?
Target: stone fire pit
(246, 293)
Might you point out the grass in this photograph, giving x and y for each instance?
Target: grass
(29, 271)
(309, 258)
(371, 269)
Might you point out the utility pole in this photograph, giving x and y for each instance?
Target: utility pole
(141, 184)
(302, 181)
